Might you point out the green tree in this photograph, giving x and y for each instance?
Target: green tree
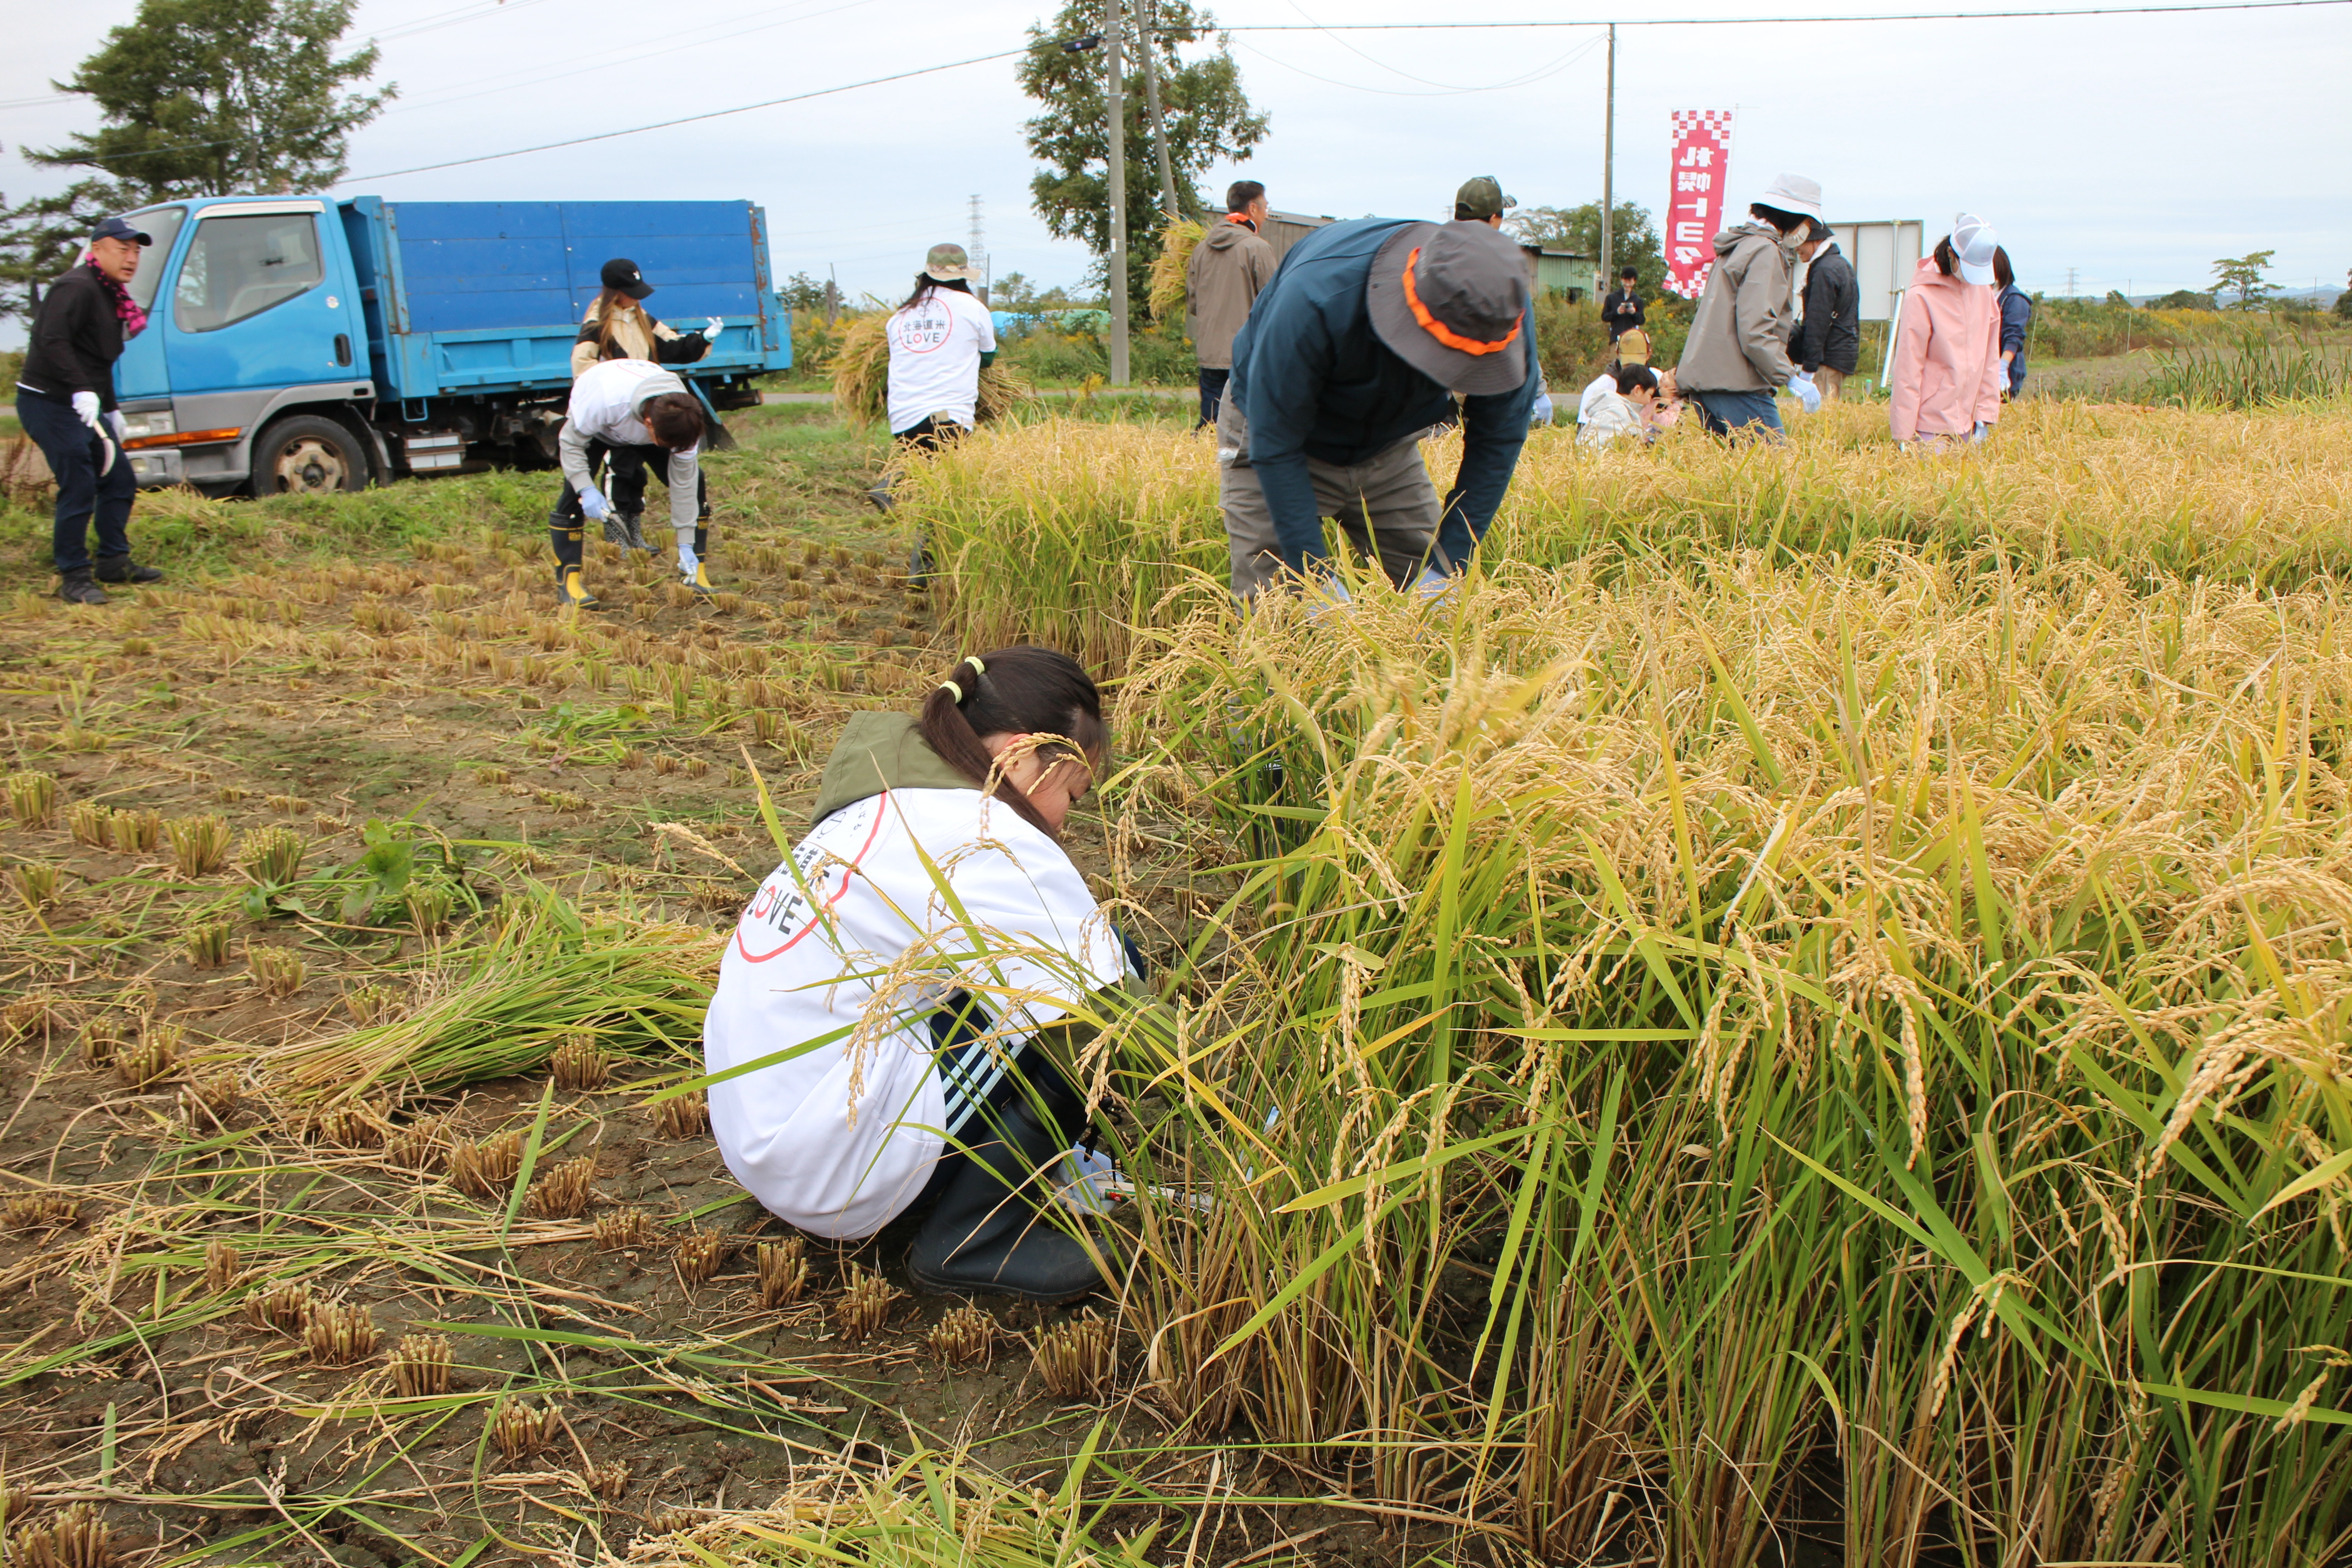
(2344, 301)
(1208, 118)
(2185, 299)
(41, 237)
(207, 96)
(2244, 273)
(1633, 238)
(803, 293)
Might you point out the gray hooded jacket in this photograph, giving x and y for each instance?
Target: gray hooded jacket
(1739, 337)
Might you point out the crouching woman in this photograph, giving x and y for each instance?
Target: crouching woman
(912, 981)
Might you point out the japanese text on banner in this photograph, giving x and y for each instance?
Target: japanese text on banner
(1701, 152)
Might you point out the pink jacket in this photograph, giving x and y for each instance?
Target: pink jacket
(1948, 370)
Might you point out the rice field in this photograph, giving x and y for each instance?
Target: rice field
(1798, 1019)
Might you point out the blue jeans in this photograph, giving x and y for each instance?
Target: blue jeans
(74, 453)
(1724, 413)
(1212, 393)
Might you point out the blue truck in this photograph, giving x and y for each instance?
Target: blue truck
(315, 343)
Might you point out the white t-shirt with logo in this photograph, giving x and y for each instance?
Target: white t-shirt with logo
(935, 348)
(834, 939)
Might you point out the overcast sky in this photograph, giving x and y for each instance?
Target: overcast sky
(2132, 149)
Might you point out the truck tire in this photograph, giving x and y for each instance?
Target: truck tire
(310, 454)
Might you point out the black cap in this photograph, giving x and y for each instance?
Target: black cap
(118, 228)
(622, 273)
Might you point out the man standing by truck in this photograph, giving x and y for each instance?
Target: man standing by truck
(65, 400)
(1229, 267)
(638, 413)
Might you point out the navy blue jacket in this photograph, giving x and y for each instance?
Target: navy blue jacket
(1314, 380)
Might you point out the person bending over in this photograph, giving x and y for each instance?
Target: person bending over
(636, 413)
(1354, 351)
(908, 979)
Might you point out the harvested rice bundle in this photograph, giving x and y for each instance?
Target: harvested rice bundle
(861, 378)
(1168, 268)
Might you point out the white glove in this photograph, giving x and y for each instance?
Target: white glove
(1327, 592)
(1807, 393)
(1541, 413)
(1981, 431)
(85, 407)
(592, 502)
(114, 419)
(711, 329)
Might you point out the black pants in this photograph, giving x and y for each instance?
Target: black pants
(927, 434)
(1212, 393)
(74, 452)
(630, 466)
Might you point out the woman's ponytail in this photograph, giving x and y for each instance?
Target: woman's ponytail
(1022, 691)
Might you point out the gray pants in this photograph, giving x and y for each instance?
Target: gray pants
(1385, 504)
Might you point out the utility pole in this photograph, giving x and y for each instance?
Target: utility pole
(1151, 104)
(1608, 174)
(979, 247)
(1114, 29)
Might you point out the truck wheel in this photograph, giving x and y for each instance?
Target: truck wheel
(308, 455)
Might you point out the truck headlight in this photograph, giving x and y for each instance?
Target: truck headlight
(159, 423)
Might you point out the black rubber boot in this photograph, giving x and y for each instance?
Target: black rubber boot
(987, 1236)
(122, 569)
(78, 588)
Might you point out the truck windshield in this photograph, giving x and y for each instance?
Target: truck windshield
(163, 226)
(240, 265)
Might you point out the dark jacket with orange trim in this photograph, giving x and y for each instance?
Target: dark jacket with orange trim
(1314, 380)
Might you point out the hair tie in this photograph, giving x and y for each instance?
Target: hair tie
(951, 685)
(973, 660)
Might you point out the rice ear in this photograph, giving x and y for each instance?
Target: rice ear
(1169, 268)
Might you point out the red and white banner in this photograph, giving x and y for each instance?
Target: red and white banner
(1702, 162)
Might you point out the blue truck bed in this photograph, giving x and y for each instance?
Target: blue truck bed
(463, 297)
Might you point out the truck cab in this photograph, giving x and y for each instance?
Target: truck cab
(307, 343)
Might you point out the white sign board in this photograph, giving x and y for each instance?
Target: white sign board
(1883, 254)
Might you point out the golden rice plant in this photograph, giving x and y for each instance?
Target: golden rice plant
(580, 1064)
(565, 1192)
(224, 1268)
(33, 798)
(208, 943)
(421, 1365)
(964, 1336)
(624, 1229)
(76, 1536)
(422, 1146)
(1177, 241)
(91, 822)
(701, 1255)
(1077, 1357)
(284, 1308)
(36, 1212)
(682, 1115)
(340, 1333)
(135, 831)
(199, 843)
(278, 972)
(272, 855)
(487, 1168)
(154, 1056)
(36, 884)
(863, 1307)
(519, 1430)
(783, 1271)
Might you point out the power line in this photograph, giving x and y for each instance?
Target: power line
(713, 114)
(1774, 21)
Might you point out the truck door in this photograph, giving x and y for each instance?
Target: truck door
(260, 302)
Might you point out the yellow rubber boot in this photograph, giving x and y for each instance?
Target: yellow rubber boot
(573, 592)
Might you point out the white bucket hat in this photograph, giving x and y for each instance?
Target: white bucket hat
(1793, 193)
(1973, 243)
